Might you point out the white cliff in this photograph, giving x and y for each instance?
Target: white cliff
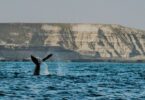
(93, 40)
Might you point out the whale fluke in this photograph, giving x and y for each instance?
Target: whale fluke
(48, 56)
(37, 62)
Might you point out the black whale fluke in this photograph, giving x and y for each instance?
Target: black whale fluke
(37, 62)
(48, 56)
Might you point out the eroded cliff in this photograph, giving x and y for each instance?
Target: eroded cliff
(88, 40)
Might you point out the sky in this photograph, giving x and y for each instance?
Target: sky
(130, 13)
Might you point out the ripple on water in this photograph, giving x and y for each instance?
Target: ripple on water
(79, 81)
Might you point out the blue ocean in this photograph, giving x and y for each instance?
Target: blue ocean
(72, 81)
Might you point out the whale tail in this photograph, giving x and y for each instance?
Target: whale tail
(47, 57)
(37, 62)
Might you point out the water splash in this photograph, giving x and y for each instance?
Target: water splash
(61, 70)
(44, 69)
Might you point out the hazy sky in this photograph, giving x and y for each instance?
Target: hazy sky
(125, 12)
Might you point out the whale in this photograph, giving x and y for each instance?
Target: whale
(37, 61)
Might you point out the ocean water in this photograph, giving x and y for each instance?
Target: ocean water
(73, 81)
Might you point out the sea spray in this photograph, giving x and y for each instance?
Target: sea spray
(62, 69)
(44, 69)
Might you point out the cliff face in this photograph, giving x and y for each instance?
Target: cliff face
(88, 40)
